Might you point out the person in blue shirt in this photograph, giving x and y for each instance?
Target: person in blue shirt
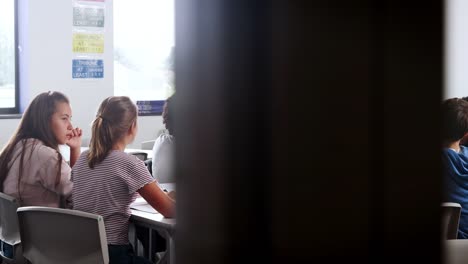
(464, 140)
(455, 157)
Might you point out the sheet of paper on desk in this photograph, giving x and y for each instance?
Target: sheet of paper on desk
(141, 205)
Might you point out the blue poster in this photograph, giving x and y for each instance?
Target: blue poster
(88, 69)
(150, 107)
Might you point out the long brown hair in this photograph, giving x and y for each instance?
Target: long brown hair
(115, 116)
(35, 124)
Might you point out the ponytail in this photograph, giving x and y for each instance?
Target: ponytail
(101, 142)
(115, 116)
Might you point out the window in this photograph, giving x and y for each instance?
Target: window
(143, 49)
(8, 58)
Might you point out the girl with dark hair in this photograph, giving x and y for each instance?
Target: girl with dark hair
(107, 180)
(455, 157)
(31, 166)
(163, 148)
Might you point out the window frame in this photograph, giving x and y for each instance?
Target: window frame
(15, 109)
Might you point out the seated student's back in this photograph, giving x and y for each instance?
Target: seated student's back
(108, 190)
(38, 184)
(163, 149)
(106, 179)
(163, 157)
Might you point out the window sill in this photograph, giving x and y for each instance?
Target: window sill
(11, 116)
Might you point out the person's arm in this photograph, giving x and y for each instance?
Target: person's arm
(74, 142)
(74, 155)
(158, 199)
(48, 174)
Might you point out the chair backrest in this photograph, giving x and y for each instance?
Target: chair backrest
(149, 165)
(455, 251)
(55, 235)
(10, 241)
(450, 220)
(141, 155)
(148, 145)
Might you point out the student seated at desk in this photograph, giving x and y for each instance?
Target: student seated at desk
(464, 140)
(162, 169)
(163, 149)
(106, 179)
(455, 158)
(31, 166)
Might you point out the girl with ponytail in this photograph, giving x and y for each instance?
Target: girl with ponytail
(107, 180)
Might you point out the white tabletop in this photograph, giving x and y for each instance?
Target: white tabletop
(65, 150)
(142, 212)
(153, 220)
(129, 150)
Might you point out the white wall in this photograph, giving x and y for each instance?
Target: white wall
(46, 56)
(456, 48)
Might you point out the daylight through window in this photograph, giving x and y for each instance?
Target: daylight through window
(8, 89)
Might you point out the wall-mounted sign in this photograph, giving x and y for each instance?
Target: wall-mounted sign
(86, 16)
(87, 69)
(88, 43)
(150, 107)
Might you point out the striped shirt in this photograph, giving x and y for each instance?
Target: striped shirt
(109, 189)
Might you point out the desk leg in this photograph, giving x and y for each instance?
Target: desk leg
(171, 249)
(132, 230)
(150, 245)
(168, 256)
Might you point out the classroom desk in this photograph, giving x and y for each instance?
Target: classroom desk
(149, 152)
(164, 226)
(129, 150)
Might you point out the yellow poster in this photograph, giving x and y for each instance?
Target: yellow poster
(88, 43)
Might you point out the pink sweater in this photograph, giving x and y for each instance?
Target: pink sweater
(38, 178)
